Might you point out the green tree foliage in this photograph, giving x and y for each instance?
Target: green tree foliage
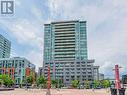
(29, 79)
(6, 80)
(96, 83)
(41, 81)
(54, 83)
(87, 84)
(1, 81)
(59, 83)
(23, 82)
(75, 83)
(106, 83)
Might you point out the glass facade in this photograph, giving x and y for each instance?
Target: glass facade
(65, 50)
(5, 47)
(65, 41)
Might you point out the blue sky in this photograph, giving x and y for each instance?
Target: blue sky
(106, 28)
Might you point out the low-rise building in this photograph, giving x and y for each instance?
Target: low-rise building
(17, 68)
(40, 71)
(96, 72)
(101, 76)
(68, 71)
(124, 80)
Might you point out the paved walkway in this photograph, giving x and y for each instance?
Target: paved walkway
(56, 92)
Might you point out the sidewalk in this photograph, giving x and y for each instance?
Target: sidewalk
(56, 92)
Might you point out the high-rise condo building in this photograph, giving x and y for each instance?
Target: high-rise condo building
(5, 47)
(65, 50)
(65, 41)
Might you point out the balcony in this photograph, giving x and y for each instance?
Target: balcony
(62, 33)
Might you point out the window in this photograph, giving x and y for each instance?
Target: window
(22, 65)
(19, 71)
(67, 79)
(15, 65)
(12, 64)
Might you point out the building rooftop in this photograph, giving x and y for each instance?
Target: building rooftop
(65, 21)
(16, 58)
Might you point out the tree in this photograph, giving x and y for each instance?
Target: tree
(22, 83)
(106, 83)
(29, 79)
(59, 83)
(54, 83)
(75, 83)
(87, 84)
(96, 83)
(1, 82)
(41, 81)
(6, 80)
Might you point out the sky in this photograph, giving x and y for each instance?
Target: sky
(106, 29)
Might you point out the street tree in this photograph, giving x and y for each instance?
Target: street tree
(87, 84)
(96, 83)
(54, 83)
(106, 83)
(75, 83)
(29, 79)
(41, 81)
(6, 80)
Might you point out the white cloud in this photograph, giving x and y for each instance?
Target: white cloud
(35, 57)
(28, 34)
(108, 69)
(106, 25)
(38, 14)
(25, 32)
(13, 53)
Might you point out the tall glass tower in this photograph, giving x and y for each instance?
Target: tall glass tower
(65, 50)
(5, 47)
(65, 41)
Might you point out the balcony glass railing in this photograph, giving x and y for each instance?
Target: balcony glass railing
(64, 24)
(63, 32)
